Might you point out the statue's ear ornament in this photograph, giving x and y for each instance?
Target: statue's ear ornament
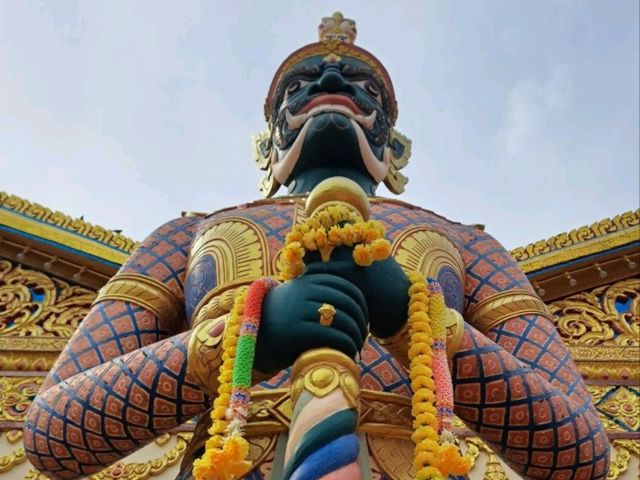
(400, 147)
(262, 151)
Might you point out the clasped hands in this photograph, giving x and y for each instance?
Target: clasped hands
(372, 298)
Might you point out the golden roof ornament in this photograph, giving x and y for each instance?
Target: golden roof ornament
(337, 28)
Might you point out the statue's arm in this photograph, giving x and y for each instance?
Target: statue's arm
(515, 382)
(121, 380)
(96, 417)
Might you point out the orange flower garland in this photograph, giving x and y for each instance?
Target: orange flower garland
(333, 227)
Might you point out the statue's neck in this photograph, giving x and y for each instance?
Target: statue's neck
(305, 181)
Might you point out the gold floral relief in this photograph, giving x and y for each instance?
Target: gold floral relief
(15, 457)
(618, 407)
(623, 449)
(16, 394)
(34, 304)
(493, 468)
(606, 316)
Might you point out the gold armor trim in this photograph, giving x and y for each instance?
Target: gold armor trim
(426, 251)
(381, 413)
(204, 356)
(455, 330)
(145, 292)
(398, 344)
(499, 308)
(218, 301)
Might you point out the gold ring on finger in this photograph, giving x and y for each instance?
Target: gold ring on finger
(327, 312)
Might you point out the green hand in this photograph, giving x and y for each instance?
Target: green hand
(383, 284)
(290, 320)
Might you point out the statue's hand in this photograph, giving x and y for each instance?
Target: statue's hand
(384, 285)
(290, 320)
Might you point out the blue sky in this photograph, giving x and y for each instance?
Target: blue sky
(523, 115)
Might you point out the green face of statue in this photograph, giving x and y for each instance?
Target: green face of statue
(330, 118)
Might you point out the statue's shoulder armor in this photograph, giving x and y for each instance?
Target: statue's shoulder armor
(233, 247)
(424, 241)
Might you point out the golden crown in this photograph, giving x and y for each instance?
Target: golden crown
(336, 27)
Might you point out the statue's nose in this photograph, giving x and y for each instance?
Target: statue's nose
(332, 81)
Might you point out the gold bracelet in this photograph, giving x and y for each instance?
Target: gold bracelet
(146, 292)
(499, 308)
(455, 330)
(218, 301)
(398, 345)
(204, 356)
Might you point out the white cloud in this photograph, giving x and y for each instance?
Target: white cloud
(531, 105)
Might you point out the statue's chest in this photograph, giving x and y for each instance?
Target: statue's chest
(233, 248)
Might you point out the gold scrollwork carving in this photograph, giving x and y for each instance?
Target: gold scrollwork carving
(624, 448)
(592, 318)
(144, 470)
(34, 304)
(493, 467)
(59, 219)
(16, 394)
(578, 236)
(13, 459)
(617, 405)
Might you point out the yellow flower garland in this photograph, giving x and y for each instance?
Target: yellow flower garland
(224, 459)
(425, 424)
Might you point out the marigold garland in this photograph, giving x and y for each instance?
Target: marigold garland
(333, 227)
(226, 451)
(436, 456)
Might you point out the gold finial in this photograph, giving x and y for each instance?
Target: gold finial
(336, 27)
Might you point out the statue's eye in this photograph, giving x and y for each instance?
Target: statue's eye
(294, 86)
(371, 89)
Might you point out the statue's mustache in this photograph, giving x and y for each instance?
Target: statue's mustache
(294, 122)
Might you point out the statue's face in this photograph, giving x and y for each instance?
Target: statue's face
(330, 115)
